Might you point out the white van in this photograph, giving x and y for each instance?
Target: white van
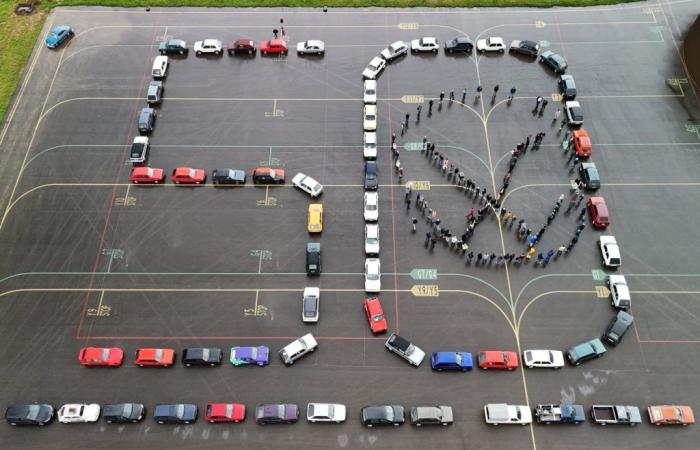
(160, 67)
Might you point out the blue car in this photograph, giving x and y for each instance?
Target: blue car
(58, 36)
(242, 356)
(451, 361)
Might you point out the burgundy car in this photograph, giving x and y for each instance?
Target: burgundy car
(241, 47)
(276, 413)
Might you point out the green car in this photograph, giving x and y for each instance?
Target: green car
(177, 46)
(585, 351)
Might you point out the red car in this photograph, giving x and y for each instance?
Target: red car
(225, 412)
(189, 175)
(582, 143)
(146, 175)
(598, 211)
(162, 357)
(496, 359)
(101, 356)
(375, 315)
(273, 47)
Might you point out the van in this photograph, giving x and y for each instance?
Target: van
(160, 67)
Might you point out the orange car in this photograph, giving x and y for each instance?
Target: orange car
(162, 357)
(582, 143)
(188, 175)
(671, 415)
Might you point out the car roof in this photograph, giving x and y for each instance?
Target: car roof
(495, 40)
(376, 61)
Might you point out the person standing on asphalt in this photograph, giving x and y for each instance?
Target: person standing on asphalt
(478, 93)
(442, 96)
(512, 94)
(464, 95)
(430, 106)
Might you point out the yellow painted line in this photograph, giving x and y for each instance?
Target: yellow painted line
(543, 294)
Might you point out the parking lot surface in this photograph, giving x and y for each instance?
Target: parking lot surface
(90, 259)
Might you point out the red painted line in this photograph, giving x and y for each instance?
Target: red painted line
(391, 175)
(91, 282)
(210, 338)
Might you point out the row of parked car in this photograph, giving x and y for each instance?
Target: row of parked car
(279, 413)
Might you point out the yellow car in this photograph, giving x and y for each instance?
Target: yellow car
(315, 221)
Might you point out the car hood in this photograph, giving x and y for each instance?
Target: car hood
(447, 414)
(416, 355)
(91, 412)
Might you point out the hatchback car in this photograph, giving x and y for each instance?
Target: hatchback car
(314, 222)
(273, 47)
(553, 61)
(373, 275)
(374, 68)
(271, 413)
(375, 315)
(189, 175)
(173, 46)
(431, 415)
(268, 175)
(371, 176)
(549, 359)
(34, 414)
(162, 357)
(451, 361)
(101, 356)
(307, 184)
(179, 413)
(228, 176)
(567, 87)
(224, 412)
(582, 143)
(146, 175)
(245, 356)
(311, 47)
(198, 356)
(617, 328)
(496, 359)
(588, 173)
(123, 412)
(147, 119)
(383, 415)
(79, 413)
(585, 351)
(154, 92)
(610, 251)
(371, 239)
(370, 92)
(369, 145)
(525, 47)
(371, 210)
(298, 348)
(242, 47)
(425, 44)
(598, 212)
(492, 44)
(459, 44)
(620, 297)
(326, 412)
(393, 51)
(313, 258)
(310, 303)
(574, 112)
(138, 154)
(58, 36)
(369, 118)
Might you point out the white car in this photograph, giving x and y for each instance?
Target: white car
(374, 68)
(393, 51)
(371, 239)
(311, 48)
(369, 119)
(369, 145)
(298, 348)
(371, 206)
(310, 304)
(425, 44)
(307, 184)
(369, 94)
(325, 412)
(619, 292)
(492, 44)
(79, 413)
(574, 112)
(373, 275)
(549, 359)
(501, 413)
(610, 251)
(208, 46)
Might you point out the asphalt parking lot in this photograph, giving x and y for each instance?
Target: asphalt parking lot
(90, 259)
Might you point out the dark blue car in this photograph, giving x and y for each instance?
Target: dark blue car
(58, 36)
(177, 413)
(461, 361)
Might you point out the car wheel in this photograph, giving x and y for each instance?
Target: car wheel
(449, 51)
(510, 368)
(199, 53)
(14, 424)
(212, 364)
(500, 51)
(177, 182)
(250, 52)
(182, 52)
(188, 365)
(338, 421)
(395, 424)
(434, 50)
(419, 425)
(198, 182)
(161, 422)
(369, 425)
(211, 421)
(162, 53)
(134, 421)
(187, 422)
(264, 52)
(494, 424)
(485, 368)
(109, 421)
(136, 182)
(140, 365)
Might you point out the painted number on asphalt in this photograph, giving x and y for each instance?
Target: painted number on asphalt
(408, 26)
(125, 201)
(602, 292)
(413, 146)
(413, 99)
(425, 290)
(540, 24)
(422, 185)
(424, 274)
(598, 275)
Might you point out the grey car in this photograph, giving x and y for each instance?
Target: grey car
(553, 61)
(567, 86)
(147, 118)
(589, 175)
(431, 415)
(618, 327)
(154, 92)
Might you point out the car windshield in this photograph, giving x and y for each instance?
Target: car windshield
(105, 354)
(309, 306)
(373, 67)
(370, 91)
(254, 352)
(127, 409)
(370, 116)
(280, 410)
(372, 240)
(370, 207)
(159, 354)
(180, 411)
(389, 412)
(33, 412)
(551, 357)
(458, 359)
(229, 410)
(377, 318)
(205, 354)
(528, 355)
(370, 145)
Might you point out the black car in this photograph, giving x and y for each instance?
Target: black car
(34, 414)
(176, 46)
(383, 415)
(228, 176)
(459, 44)
(147, 118)
(313, 258)
(154, 92)
(371, 177)
(123, 412)
(553, 61)
(567, 87)
(589, 175)
(197, 356)
(527, 48)
(618, 327)
(177, 413)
